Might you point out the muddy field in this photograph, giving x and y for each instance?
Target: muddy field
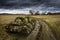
(49, 31)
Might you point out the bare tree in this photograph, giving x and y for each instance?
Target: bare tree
(31, 12)
(37, 13)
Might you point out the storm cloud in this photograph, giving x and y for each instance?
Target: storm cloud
(23, 6)
(28, 3)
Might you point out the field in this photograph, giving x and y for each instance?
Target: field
(52, 20)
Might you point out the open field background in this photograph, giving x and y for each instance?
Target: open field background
(52, 20)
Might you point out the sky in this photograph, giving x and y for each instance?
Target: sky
(23, 6)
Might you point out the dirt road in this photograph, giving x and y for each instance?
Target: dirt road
(45, 33)
(33, 34)
(40, 32)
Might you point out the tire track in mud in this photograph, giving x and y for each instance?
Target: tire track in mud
(45, 33)
(33, 34)
(40, 32)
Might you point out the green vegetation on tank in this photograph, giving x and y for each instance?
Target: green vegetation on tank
(21, 25)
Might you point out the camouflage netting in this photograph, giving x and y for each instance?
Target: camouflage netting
(23, 25)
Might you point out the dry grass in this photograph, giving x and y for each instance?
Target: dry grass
(54, 23)
(52, 20)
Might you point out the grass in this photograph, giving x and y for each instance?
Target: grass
(54, 23)
(52, 20)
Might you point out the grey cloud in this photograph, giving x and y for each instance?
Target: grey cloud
(28, 3)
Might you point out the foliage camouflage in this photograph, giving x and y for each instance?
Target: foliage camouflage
(21, 25)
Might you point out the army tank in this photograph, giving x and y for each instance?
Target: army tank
(22, 25)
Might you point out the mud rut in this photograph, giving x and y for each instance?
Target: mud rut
(45, 33)
(41, 32)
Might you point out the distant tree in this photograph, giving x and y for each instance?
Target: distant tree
(53, 13)
(49, 13)
(43, 14)
(31, 12)
(37, 13)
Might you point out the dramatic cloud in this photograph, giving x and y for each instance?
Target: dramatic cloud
(28, 3)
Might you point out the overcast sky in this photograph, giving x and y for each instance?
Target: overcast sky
(18, 6)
